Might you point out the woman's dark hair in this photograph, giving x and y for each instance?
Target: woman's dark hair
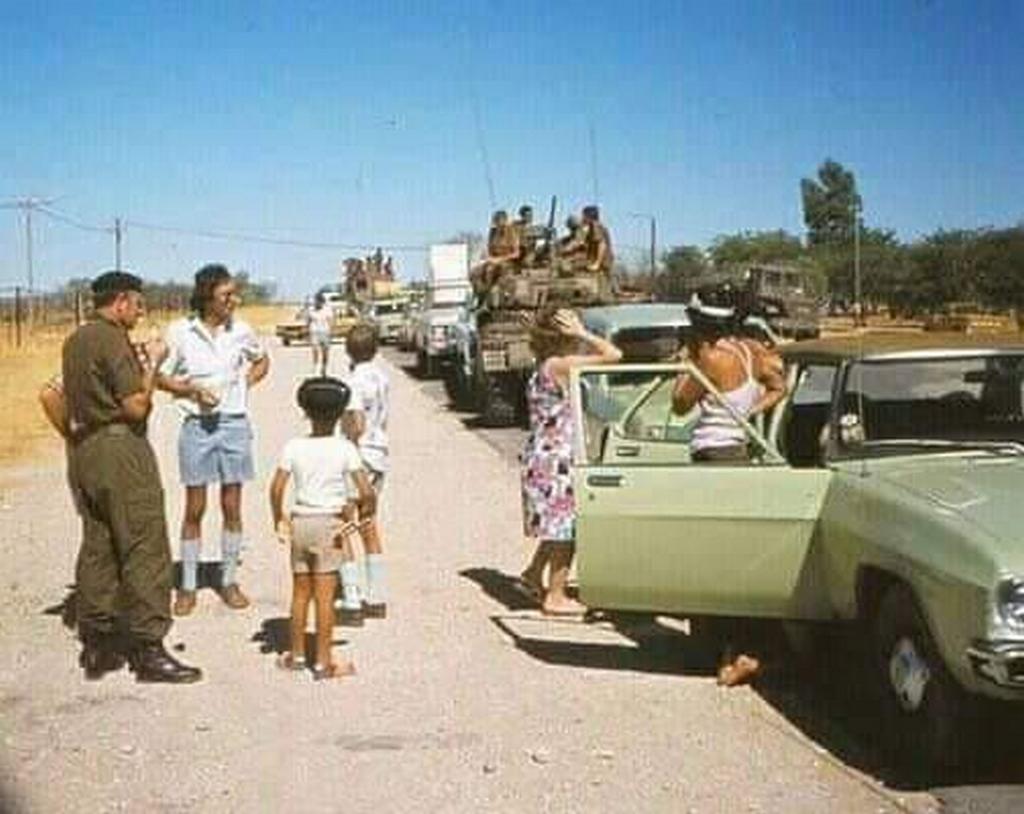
(206, 280)
(323, 398)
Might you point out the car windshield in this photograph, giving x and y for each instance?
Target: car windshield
(382, 308)
(929, 404)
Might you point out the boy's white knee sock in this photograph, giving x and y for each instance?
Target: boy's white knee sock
(231, 547)
(350, 594)
(375, 590)
(189, 564)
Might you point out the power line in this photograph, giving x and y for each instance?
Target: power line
(275, 241)
(70, 221)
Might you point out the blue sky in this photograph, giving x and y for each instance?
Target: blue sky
(364, 123)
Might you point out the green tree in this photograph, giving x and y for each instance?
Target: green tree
(682, 267)
(999, 255)
(776, 246)
(882, 267)
(830, 204)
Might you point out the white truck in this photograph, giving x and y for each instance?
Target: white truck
(447, 290)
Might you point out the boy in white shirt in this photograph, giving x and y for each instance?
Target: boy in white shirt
(366, 424)
(324, 467)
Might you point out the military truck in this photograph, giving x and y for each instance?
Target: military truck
(491, 358)
(784, 294)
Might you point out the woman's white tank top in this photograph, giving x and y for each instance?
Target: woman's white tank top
(716, 427)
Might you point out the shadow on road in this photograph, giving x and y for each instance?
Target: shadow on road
(501, 587)
(827, 697)
(66, 609)
(274, 636)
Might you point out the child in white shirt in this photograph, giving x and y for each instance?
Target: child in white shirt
(366, 424)
(324, 468)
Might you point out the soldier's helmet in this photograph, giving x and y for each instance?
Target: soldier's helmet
(572, 223)
(591, 213)
(525, 210)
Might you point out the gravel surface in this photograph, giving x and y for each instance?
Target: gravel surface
(465, 699)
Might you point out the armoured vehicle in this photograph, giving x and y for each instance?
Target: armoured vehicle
(784, 294)
(492, 356)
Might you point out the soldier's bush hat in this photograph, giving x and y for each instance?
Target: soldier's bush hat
(323, 396)
(114, 282)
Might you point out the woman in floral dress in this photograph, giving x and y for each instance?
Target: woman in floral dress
(559, 342)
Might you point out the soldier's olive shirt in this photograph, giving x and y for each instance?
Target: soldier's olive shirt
(100, 369)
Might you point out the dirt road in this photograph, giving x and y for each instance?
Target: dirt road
(466, 700)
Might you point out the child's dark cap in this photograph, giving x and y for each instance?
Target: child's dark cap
(323, 396)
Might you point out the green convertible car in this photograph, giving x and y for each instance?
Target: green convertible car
(887, 489)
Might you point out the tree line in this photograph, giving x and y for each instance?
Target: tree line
(172, 295)
(933, 274)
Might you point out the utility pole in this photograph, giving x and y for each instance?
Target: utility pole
(857, 304)
(28, 206)
(118, 234)
(654, 238)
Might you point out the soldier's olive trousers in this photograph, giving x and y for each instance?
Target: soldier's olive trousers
(124, 566)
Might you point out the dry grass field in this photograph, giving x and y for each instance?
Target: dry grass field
(23, 371)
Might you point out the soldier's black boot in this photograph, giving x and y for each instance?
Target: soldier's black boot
(152, 663)
(101, 654)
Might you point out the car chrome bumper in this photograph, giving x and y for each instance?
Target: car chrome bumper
(1001, 662)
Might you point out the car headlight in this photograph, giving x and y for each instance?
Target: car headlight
(1010, 602)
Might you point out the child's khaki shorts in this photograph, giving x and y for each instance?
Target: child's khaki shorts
(313, 550)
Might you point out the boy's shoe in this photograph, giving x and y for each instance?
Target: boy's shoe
(184, 603)
(233, 597)
(375, 610)
(348, 617)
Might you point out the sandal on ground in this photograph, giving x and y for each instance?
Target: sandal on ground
(287, 661)
(740, 671)
(333, 670)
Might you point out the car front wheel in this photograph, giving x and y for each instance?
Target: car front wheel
(926, 715)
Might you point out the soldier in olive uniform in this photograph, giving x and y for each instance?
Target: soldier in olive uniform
(502, 253)
(124, 566)
(526, 236)
(598, 243)
(572, 248)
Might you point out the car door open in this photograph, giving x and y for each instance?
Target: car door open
(657, 532)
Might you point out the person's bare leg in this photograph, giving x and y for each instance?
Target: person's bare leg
(323, 591)
(557, 601)
(302, 586)
(195, 508)
(533, 575)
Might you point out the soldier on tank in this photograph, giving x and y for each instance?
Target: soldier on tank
(502, 254)
(526, 236)
(572, 248)
(598, 243)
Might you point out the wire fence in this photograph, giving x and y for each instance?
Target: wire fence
(27, 317)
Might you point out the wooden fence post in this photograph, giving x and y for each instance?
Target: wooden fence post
(17, 316)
